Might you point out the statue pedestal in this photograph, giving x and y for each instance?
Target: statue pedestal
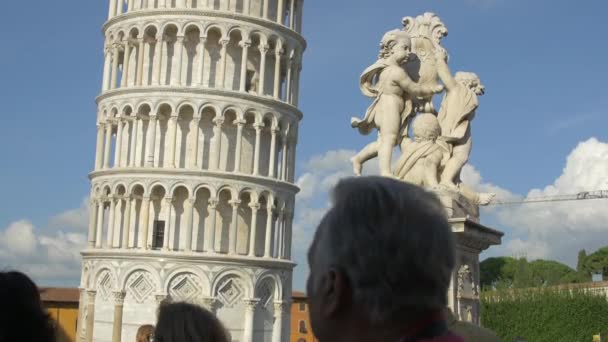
(471, 239)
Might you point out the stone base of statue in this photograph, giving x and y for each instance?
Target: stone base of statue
(472, 238)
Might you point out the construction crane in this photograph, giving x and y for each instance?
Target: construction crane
(581, 196)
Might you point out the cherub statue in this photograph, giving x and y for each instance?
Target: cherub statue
(455, 116)
(422, 159)
(393, 90)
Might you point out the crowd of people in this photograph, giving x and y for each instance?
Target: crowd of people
(380, 267)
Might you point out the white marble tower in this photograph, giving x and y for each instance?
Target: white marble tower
(192, 194)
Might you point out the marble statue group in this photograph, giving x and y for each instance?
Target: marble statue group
(411, 69)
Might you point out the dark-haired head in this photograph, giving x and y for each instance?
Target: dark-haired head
(183, 322)
(22, 317)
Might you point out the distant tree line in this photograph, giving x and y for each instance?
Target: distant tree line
(510, 273)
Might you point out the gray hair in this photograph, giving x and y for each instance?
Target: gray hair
(393, 242)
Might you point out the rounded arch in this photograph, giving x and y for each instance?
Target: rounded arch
(126, 109)
(170, 25)
(101, 270)
(178, 186)
(114, 111)
(192, 25)
(157, 185)
(215, 27)
(227, 189)
(120, 187)
(242, 32)
(137, 184)
(140, 267)
(179, 270)
(209, 107)
(261, 36)
(207, 187)
(232, 108)
(164, 107)
(275, 280)
(252, 113)
(134, 31)
(253, 194)
(232, 273)
(272, 118)
(186, 104)
(144, 105)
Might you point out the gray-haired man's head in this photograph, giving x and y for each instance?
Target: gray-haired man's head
(383, 254)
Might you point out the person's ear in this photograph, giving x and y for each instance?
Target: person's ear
(335, 292)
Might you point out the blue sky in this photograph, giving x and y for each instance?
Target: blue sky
(542, 62)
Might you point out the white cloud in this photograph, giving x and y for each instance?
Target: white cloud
(557, 230)
(52, 257)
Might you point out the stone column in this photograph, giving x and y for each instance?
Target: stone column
(158, 58)
(247, 7)
(151, 141)
(169, 226)
(99, 149)
(224, 43)
(135, 123)
(268, 242)
(140, 61)
(256, 153)
(81, 309)
(250, 306)
(193, 142)
(277, 72)
(144, 223)
(216, 143)
(273, 152)
(130, 6)
(112, 11)
(90, 324)
(111, 223)
(127, 222)
(188, 206)
(176, 75)
(99, 227)
(132, 223)
(287, 235)
(172, 137)
(213, 202)
(118, 216)
(277, 329)
(118, 149)
(285, 157)
(239, 144)
(254, 227)
(296, 85)
(288, 97)
(262, 84)
(244, 57)
(181, 3)
(201, 61)
(279, 229)
(232, 236)
(125, 64)
(119, 300)
(116, 53)
(119, 6)
(292, 11)
(281, 11)
(108, 146)
(107, 68)
(265, 10)
(92, 222)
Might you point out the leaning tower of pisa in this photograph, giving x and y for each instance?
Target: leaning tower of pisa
(192, 194)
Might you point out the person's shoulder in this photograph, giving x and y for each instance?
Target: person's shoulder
(473, 333)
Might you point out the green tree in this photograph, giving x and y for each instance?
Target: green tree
(582, 255)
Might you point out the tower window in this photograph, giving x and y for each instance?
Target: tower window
(158, 236)
(302, 328)
(302, 307)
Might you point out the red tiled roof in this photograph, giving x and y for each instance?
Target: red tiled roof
(62, 295)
